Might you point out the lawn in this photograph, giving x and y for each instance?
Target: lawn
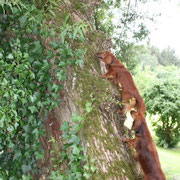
(170, 162)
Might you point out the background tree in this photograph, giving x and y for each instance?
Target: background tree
(125, 22)
(166, 57)
(163, 100)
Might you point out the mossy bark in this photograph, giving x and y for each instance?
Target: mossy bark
(103, 127)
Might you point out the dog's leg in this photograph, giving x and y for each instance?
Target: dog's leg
(109, 75)
(128, 106)
(131, 142)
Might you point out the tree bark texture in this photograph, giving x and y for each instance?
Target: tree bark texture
(103, 127)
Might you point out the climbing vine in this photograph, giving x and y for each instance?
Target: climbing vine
(73, 152)
(29, 79)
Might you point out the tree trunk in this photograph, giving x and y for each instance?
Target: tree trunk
(103, 127)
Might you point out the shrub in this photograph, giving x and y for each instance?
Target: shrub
(163, 99)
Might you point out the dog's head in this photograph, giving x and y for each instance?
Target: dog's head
(106, 56)
(138, 118)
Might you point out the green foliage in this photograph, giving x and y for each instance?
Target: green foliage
(72, 152)
(125, 22)
(129, 54)
(27, 81)
(163, 99)
(166, 57)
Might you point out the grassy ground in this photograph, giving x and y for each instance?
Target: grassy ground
(170, 162)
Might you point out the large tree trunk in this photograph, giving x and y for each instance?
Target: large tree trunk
(103, 127)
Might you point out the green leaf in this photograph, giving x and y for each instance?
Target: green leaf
(75, 33)
(89, 107)
(67, 19)
(87, 175)
(65, 126)
(52, 12)
(93, 168)
(86, 166)
(17, 155)
(1, 55)
(10, 56)
(61, 75)
(2, 120)
(74, 139)
(33, 109)
(32, 75)
(23, 20)
(77, 118)
(75, 149)
(6, 94)
(5, 82)
(63, 35)
(26, 168)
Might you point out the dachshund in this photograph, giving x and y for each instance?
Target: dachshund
(145, 149)
(119, 74)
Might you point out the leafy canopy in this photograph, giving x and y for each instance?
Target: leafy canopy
(163, 99)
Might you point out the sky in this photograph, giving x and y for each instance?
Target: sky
(166, 31)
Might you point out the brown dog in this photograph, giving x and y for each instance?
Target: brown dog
(145, 149)
(119, 74)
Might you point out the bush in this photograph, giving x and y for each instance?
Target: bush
(163, 99)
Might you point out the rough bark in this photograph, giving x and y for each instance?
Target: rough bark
(103, 127)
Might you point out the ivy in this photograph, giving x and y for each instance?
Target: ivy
(28, 80)
(78, 167)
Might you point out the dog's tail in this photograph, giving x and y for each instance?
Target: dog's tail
(140, 105)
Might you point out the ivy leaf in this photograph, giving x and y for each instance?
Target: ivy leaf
(26, 168)
(61, 75)
(23, 20)
(74, 139)
(32, 75)
(17, 155)
(33, 109)
(86, 166)
(75, 149)
(6, 94)
(87, 175)
(1, 55)
(10, 56)
(2, 121)
(65, 127)
(89, 107)
(93, 168)
(77, 118)
(5, 82)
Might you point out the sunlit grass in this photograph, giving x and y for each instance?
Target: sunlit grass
(170, 161)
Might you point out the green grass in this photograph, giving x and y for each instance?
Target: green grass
(170, 161)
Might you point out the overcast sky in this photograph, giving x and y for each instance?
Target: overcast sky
(167, 29)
